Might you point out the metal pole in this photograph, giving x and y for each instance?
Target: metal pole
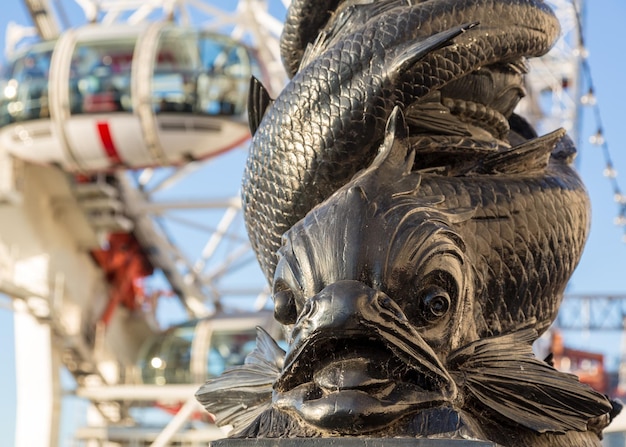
(177, 422)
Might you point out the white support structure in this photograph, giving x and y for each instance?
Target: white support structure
(37, 384)
(177, 422)
(58, 295)
(553, 84)
(49, 223)
(36, 362)
(43, 18)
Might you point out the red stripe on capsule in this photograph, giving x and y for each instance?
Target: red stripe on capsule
(107, 142)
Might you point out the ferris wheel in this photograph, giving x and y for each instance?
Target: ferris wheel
(138, 89)
(553, 83)
(122, 142)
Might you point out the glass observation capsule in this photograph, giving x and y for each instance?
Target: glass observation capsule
(197, 350)
(101, 98)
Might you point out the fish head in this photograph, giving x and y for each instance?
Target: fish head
(376, 288)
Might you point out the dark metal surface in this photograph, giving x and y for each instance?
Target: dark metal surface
(417, 233)
(328, 122)
(350, 442)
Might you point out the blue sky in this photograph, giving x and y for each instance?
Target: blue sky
(603, 266)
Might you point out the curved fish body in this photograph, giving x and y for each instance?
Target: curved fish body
(327, 123)
(526, 237)
(304, 20)
(393, 329)
(394, 320)
(413, 260)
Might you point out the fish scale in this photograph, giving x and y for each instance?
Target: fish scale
(303, 23)
(521, 278)
(344, 139)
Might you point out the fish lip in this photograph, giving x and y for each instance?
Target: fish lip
(349, 412)
(370, 402)
(369, 344)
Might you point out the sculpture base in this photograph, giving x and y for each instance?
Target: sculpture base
(349, 442)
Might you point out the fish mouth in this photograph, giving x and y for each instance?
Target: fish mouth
(359, 380)
(357, 361)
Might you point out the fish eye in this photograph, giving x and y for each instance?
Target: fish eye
(435, 303)
(285, 310)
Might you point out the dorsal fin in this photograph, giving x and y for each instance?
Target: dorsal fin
(314, 49)
(394, 151)
(258, 102)
(430, 116)
(412, 52)
(528, 157)
(346, 17)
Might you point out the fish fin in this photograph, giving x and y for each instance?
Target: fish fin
(393, 152)
(346, 19)
(242, 393)
(266, 353)
(412, 52)
(503, 374)
(314, 49)
(429, 116)
(565, 150)
(531, 156)
(258, 102)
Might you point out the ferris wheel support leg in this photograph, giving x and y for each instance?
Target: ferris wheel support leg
(177, 422)
(8, 194)
(37, 367)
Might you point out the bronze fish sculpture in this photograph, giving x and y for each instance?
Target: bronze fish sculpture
(417, 233)
(327, 123)
(388, 336)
